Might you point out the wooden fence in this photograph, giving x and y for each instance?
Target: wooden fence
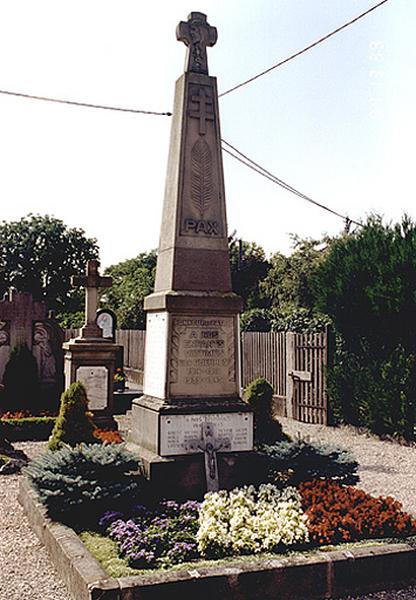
(294, 364)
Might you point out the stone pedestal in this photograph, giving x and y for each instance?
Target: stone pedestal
(93, 363)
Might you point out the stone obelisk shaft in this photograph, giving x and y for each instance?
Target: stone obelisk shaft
(193, 248)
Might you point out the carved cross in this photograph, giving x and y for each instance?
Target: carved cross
(210, 445)
(92, 281)
(196, 34)
(205, 110)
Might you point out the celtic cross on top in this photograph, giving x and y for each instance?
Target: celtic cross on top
(196, 34)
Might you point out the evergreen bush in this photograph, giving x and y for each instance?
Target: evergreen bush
(21, 379)
(74, 423)
(78, 484)
(291, 462)
(366, 284)
(259, 395)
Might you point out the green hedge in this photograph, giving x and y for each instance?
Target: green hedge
(27, 429)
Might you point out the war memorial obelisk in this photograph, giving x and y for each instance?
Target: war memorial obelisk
(193, 430)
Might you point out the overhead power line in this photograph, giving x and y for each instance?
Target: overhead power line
(296, 54)
(251, 164)
(85, 104)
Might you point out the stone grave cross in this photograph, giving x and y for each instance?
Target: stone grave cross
(210, 445)
(92, 281)
(196, 34)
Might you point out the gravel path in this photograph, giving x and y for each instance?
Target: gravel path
(386, 468)
(26, 573)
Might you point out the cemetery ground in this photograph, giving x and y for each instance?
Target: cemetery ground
(385, 468)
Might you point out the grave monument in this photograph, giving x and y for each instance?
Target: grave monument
(24, 320)
(192, 428)
(90, 358)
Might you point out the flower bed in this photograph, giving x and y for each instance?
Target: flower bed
(27, 428)
(338, 513)
(250, 521)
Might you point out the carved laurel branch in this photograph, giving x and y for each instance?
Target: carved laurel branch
(201, 177)
(231, 356)
(174, 352)
(177, 331)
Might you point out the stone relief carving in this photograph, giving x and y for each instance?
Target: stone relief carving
(197, 34)
(201, 177)
(43, 353)
(205, 110)
(4, 333)
(177, 331)
(231, 356)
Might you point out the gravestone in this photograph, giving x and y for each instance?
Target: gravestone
(91, 358)
(24, 320)
(192, 429)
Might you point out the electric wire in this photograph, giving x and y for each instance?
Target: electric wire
(309, 47)
(251, 164)
(85, 104)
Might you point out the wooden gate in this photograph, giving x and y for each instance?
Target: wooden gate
(295, 364)
(307, 362)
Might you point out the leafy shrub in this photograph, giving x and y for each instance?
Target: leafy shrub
(26, 428)
(74, 423)
(255, 319)
(21, 379)
(249, 520)
(259, 395)
(299, 320)
(78, 483)
(294, 461)
(160, 537)
(339, 513)
(374, 392)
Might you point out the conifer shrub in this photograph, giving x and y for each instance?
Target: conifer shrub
(259, 395)
(21, 379)
(74, 423)
(291, 462)
(78, 484)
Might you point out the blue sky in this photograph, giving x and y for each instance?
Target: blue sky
(337, 123)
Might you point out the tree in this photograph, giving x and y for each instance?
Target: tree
(39, 254)
(248, 267)
(367, 285)
(288, 283)
(133, 279)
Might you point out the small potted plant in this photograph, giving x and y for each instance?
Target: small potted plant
(119, 382)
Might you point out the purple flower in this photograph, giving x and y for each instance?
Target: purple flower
(108, 518)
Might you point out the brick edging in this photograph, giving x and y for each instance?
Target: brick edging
(323, 575)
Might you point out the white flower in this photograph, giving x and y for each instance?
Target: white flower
(247, 520)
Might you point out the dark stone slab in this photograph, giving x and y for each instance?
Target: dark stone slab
(184, 477)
